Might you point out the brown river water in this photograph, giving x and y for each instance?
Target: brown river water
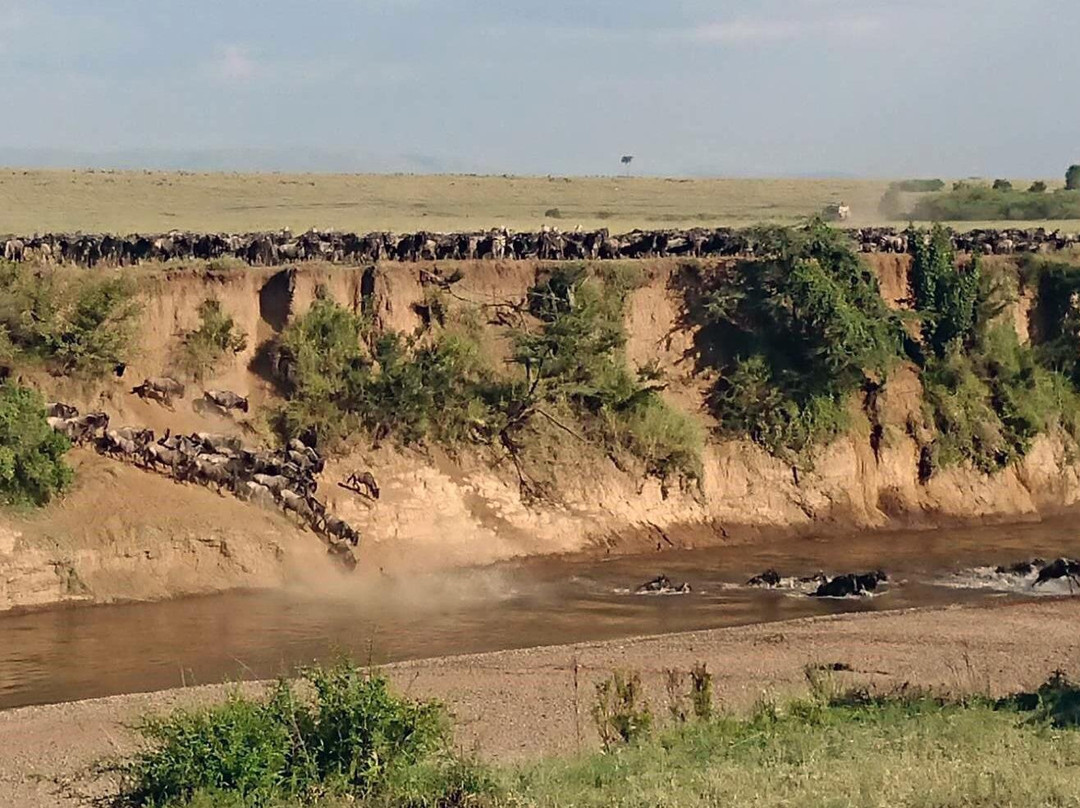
(76, 653)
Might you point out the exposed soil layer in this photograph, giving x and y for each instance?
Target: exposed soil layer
(126, 534)
(520, 704)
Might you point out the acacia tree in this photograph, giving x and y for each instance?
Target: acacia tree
(1072, 178)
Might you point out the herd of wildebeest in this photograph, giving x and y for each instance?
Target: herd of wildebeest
(282, 246)
(1031, 573)
(284, 479)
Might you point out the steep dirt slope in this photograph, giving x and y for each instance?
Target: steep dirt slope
(124, 533)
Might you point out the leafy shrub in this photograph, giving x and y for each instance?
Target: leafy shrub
(553, 213)
(217, 336)
(983, 203)
(32, 467)
(577, 358)
(945, 295)
(1037, 187)
(793, 335)
(315, 354)
(414, 388)
(1056, 702)
(438, 390)
(919, 186)
(1002, 185)
(987, 395)
(83, 323)
(620, 712)
(350, 737)
(700, 695)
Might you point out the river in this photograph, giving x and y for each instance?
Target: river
(85, 652)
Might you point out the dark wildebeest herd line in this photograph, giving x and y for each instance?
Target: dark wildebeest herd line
(281, 247)
(285, 478)
(1031, 574)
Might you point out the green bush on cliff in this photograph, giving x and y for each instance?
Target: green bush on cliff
(793, 335)
(987, 395)
(577, 359)
(83, 323)
(341, 376)
(217, 336)
(32, 467)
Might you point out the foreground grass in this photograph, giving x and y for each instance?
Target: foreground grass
(356, 744)
(892, 754)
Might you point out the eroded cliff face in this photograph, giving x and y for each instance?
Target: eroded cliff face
(126, 534)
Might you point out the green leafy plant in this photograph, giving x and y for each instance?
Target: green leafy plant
(971, 202)
(793, 335)
(32, 467)
(344, 733)
(217, 336)
(83, 324)
(620, 712)
(577, 358)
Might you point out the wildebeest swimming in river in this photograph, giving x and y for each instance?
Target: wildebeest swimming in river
(849, 585)
(769, 578)
(1060, 568)
(662, 585)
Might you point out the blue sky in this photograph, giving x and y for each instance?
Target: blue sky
(739, 88)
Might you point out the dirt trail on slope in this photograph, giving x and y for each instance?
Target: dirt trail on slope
(515, 705)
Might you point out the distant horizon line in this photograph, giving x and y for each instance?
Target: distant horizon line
(801, 177)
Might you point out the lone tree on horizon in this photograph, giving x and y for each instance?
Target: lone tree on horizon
(626, 160)
(1072, 178)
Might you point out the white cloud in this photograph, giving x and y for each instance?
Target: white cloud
(753, 31)
(235, 64)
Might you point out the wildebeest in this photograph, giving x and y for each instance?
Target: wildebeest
(338, 528)
(662, 585)
(226, 400)
(1021, 567)
(156, 455)
(361, 480)
(1060, 568)
(57, 409)
(258, 494)
(275, 483)
(162, 389)
(769, 578)
(219, 475)
(80, 428)
(849, 585)
(126, 442)
(295, 503)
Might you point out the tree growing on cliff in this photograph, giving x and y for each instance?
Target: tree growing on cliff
(32, 467)
(793, 335)
(217, 336)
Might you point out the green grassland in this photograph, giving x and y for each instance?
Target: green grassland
(130, 201)
(354, 742)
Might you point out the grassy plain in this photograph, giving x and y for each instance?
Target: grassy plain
(132, 201)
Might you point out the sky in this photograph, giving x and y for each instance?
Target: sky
(886, 88)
